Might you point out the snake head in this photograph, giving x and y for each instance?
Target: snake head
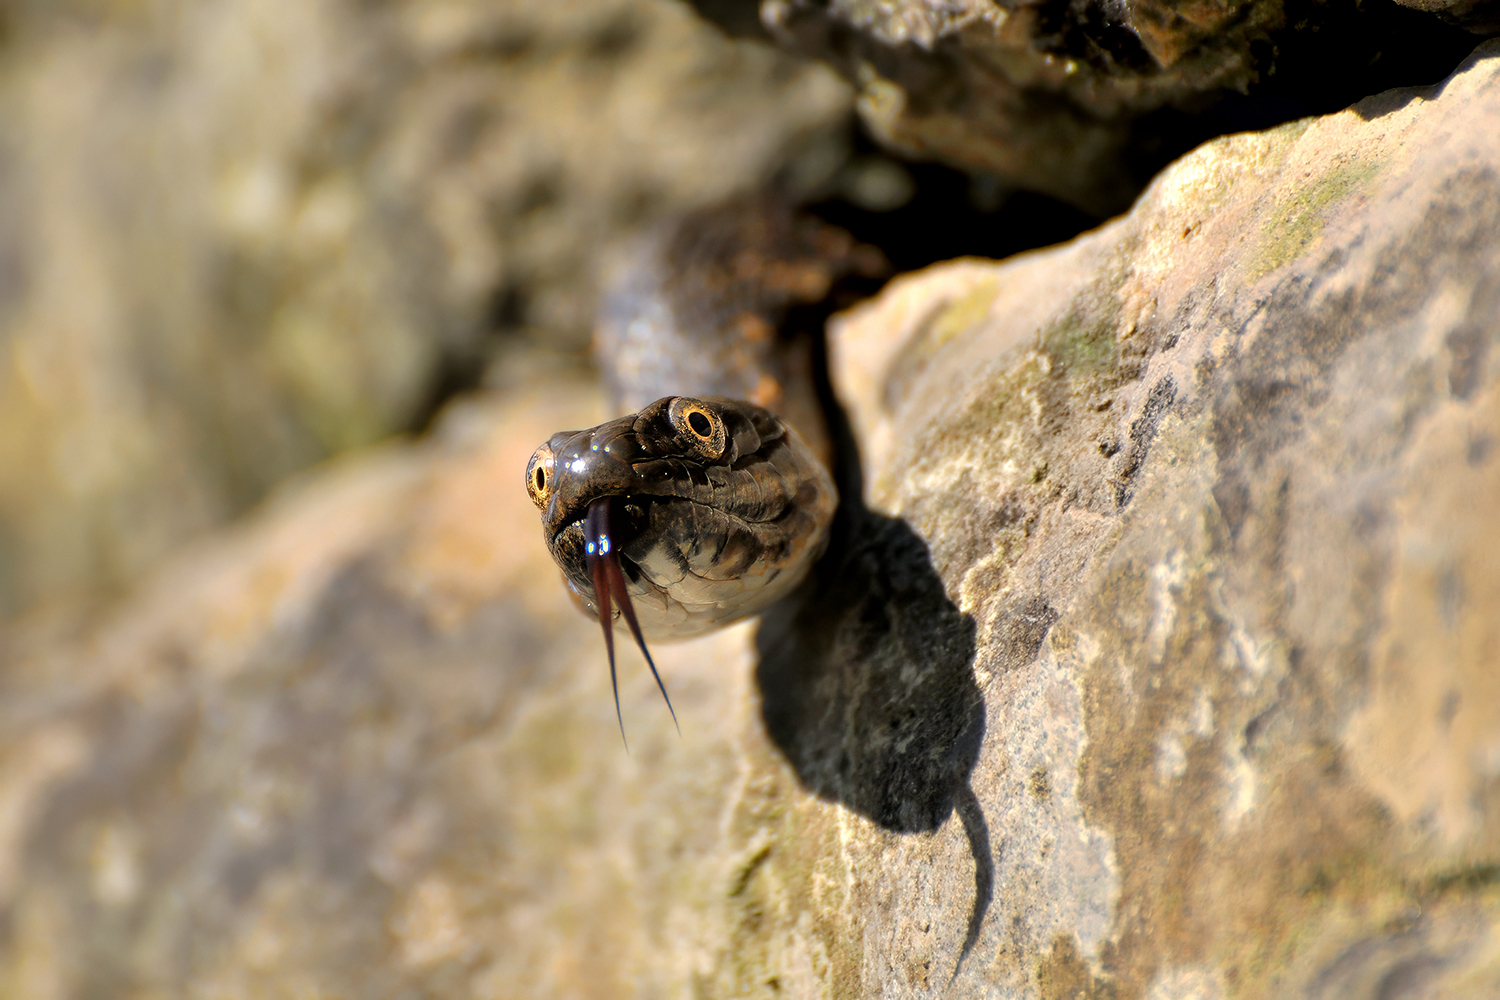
(717, 509)
(688, 515)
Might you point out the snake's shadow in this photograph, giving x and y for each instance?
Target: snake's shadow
(867, 684)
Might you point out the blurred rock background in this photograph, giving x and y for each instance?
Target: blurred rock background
(237, 237)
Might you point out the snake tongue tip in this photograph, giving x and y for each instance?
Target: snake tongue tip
(596, 527)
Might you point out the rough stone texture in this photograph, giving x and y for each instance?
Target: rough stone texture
(236, 236)
(1184, 684)
(1479, 16)
(1081, 99)
(1238, 450)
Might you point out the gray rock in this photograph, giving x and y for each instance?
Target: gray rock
(1163, 665)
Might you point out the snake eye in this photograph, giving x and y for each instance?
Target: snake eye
(539, 476)
(698, 426)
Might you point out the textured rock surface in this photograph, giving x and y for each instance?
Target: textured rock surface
(1237, 449)
(238, 236)
(1080, 99)
(1187, 688)
(1479, 16)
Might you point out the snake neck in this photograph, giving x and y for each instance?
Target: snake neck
(730, 301)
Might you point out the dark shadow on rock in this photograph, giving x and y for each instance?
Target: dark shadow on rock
(867, 680)
(1380, 104)
(1389, 102)
(867, 686)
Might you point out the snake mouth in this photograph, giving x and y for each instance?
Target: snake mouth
(602, 558)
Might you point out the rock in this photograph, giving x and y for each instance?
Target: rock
(1161, 664)
(1236, 449)
(239, 236)
(1086, 100)
(1479, 16)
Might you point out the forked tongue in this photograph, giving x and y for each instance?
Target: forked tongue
(609, 588)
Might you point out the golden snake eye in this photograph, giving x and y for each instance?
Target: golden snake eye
(539, 476)
(699, 427)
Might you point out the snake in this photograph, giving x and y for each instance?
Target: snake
(712, 499)
(731, 488)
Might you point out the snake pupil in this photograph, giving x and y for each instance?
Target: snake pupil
(541, 479)
(700, 424)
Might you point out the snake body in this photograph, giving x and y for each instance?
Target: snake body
(698, 510)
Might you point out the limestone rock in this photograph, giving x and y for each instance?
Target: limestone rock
(1161, 665)
(238, 236)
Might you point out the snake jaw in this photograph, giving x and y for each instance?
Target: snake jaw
(602, 556)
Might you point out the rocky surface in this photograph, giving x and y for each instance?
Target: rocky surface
(1236, 450)
(238, 236)
(1479, 16)
(1086, 100)
(1160, 665)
